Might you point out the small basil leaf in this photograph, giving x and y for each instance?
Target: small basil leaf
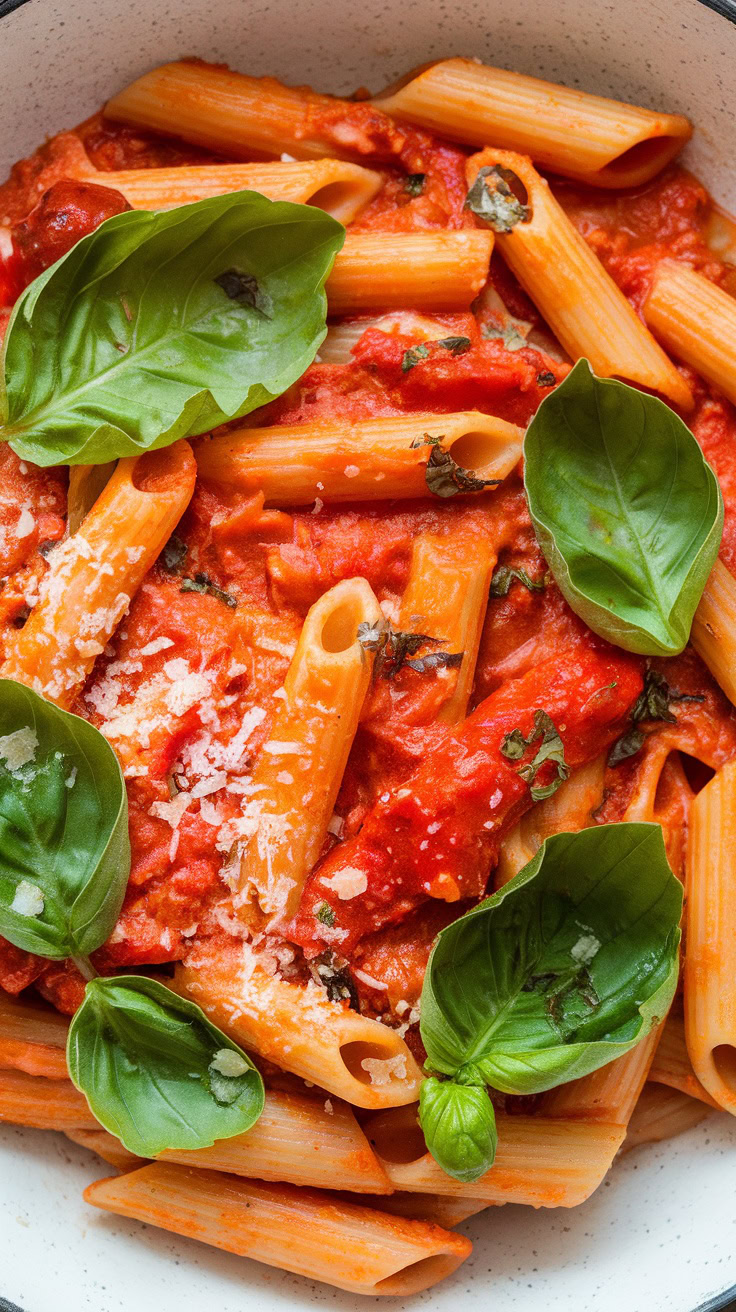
(162, 325)
(563, 970)
(64, 847)
(504, 575)
(155, 1071)
(627, 512)
(459, 1126)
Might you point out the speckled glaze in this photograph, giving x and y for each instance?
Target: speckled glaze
(659, 1235)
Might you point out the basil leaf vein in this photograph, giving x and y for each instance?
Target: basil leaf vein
(155, 1071)
(163, 325)
(64, 846)
(626, 509)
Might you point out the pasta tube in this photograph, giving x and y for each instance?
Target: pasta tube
(540, 1160)
(672, 1063)
(577, 297)
(307, 1141)
(661, 1113)
(368, 459)
(713, 634)
(336, 186)
(32, 1039)
(301, 1030)
(602, 142)
(446, 596)
(696, 321)
(299, 770)
(240, 116)
(107, 1147)
(94, 574)
(312, 1234)
(43, 1103)
(427, 270)
(710, 980)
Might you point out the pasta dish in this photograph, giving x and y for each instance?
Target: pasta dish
(368, 655)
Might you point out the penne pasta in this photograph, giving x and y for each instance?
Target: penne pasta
(602, 142)
(85, 485)
(369, 459)
(94, 574)
(304, 1140)
(240, 116)
(440, 1209)
(577, 297)
(608, 1095)
(336, 186)
(710, 985)
(540, 1161)
(32, 1039)
(713, 633)
(358, 1249)
(298, 772)
(566, 811)
(45, 1104)
(661, 1113)
(343, 336)
(427, 270)
(298, 1027)
(672, 1065)
(446, 596)
(107, 1147)
(696, 321)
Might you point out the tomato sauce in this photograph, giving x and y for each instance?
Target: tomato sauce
(189, 685)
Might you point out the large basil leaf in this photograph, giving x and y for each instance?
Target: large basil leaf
(627, 512)
(459, 1126)
(64, 848)
(563, 970)
(155, 1071)
(160, 326)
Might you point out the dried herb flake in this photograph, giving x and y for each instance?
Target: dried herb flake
(491, 199)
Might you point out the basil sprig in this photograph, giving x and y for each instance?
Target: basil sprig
(627, 511)
(155, 1071)
(564, 969)
(159, 326)
(64, 847)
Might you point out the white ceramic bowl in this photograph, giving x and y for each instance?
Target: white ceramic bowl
(659, 1234)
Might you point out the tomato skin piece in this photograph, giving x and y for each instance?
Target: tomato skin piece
(438, 834)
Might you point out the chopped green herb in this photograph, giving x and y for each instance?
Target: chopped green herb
(325, 914)
(491, 199)
(203, 583)
(332, 974)
(504, 575)
(445, 478)
(455, 345)
(414, 183)
(653, 703)
(413, 356)
(434, 660)
(509, 335)
(173, 554)
(47, 546)
(546, 379)
(246, 290)
(551, 748)
(394, 648)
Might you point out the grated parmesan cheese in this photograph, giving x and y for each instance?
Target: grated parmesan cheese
(158, 644)
(18, 748)
(382, 1070)
(28, 899)
(25, 525)
(347, 883)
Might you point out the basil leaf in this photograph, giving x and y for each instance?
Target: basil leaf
(455, 345)
(653, 703)
(551, 748)
(412, 357)
(563, 970)
(155, 1071)
(459, 1126)
(491, 199)
(627, 512)
(443, 476)
(64, 847)
(162, 325)
(203, 583)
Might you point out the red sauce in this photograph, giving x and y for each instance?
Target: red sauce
(534, 651)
